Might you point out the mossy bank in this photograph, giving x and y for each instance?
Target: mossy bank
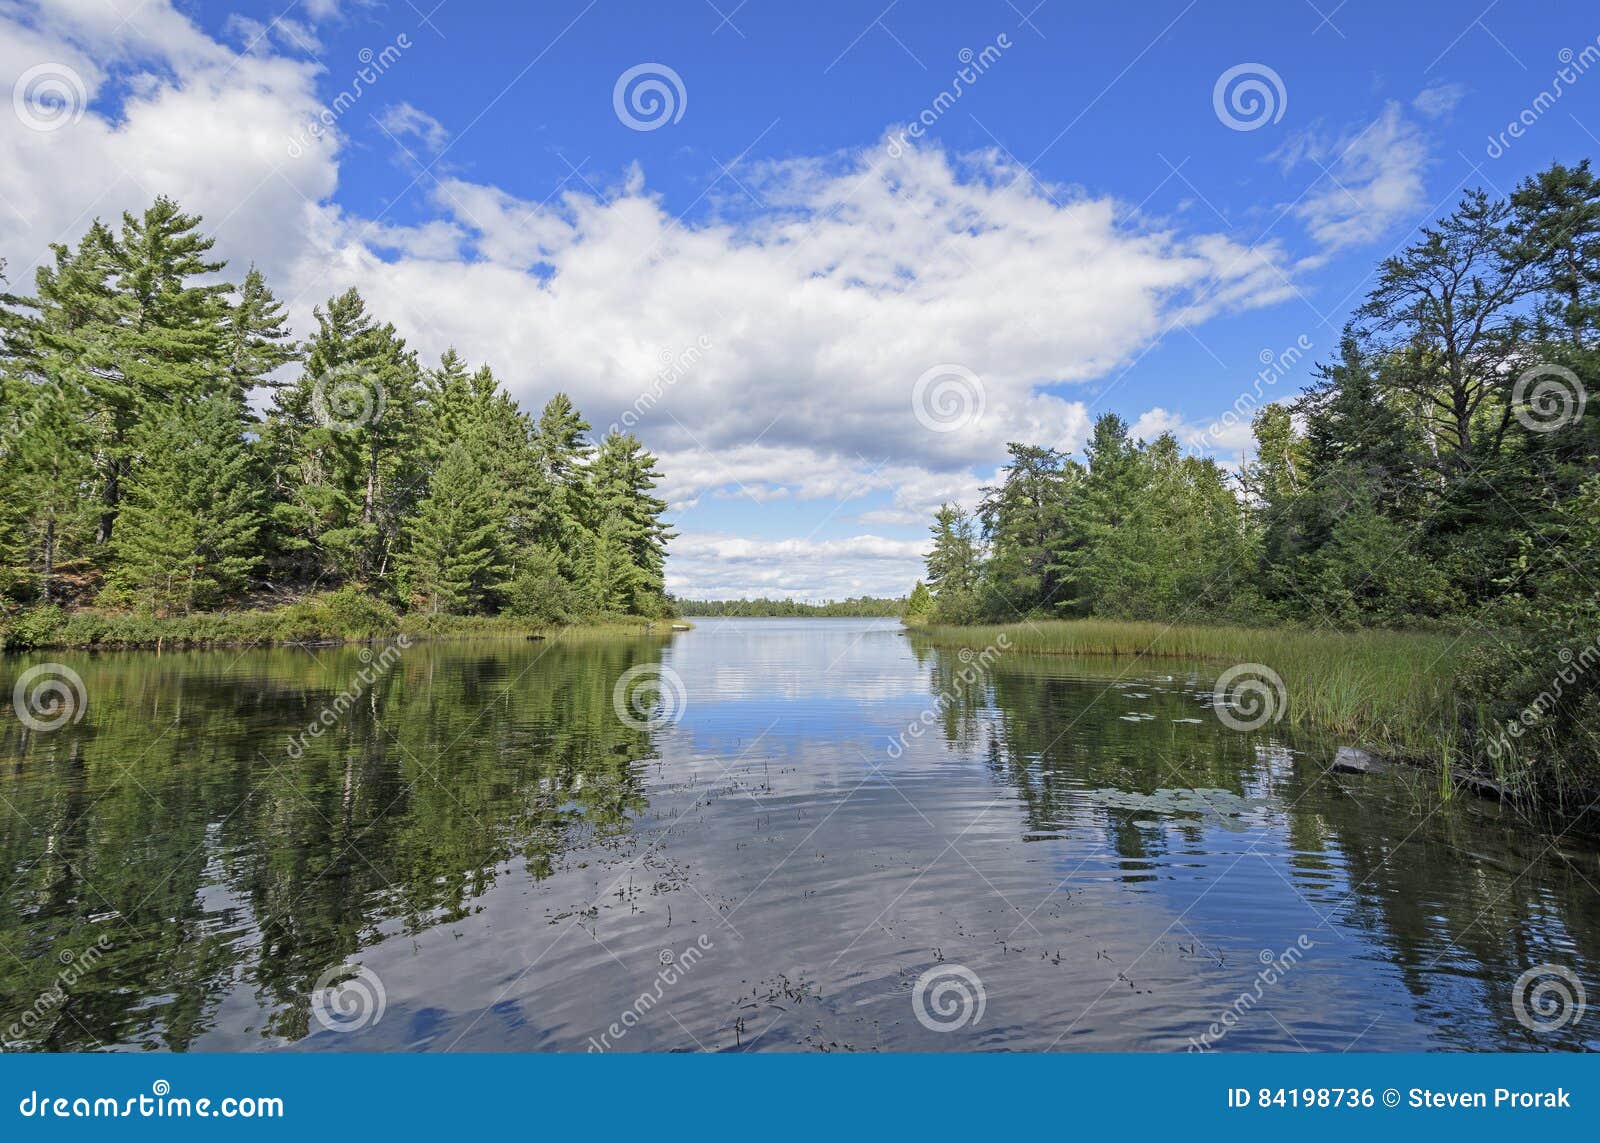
(343, 616)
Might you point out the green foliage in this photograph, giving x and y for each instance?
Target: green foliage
(186, 536)
(623, 512)
(1391, 690)
(953, 565)
(539, 592)
(451, 563)
(132, 471)
(1441, 471)
(346, 614)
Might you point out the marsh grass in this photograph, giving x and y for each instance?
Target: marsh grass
(1389, 690)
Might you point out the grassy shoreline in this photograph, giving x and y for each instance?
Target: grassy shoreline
(337, 617)
(1390, 692)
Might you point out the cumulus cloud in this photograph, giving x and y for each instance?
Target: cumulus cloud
(817, 317)
(712, 566)
(812, 315)
(193, 119)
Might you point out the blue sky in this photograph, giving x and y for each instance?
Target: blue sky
(765, 282)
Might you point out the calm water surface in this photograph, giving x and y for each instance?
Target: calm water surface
(1073, 855)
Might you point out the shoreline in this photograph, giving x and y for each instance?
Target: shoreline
(1389, 694)
(337, 619)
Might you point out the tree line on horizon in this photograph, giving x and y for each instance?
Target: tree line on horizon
(1442, 470)
(135, 474)
(857, 607)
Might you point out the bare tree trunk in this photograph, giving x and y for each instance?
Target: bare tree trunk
(49, 560)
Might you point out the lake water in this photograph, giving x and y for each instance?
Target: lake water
(747, 837)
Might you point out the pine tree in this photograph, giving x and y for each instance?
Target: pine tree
(73, 341)
(47, 483)
(256, 340)
(610, 577)
(953, 564)
(171, 341)
(188, 531)
(561, 445)
(621, 478)
(1095, 545)
(342, 445)
(540, 591)
(451, 561)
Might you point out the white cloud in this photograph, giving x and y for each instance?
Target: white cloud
(714, 566)
(816, 318)
(403, 121)
(816, 314)
(1371, 180)
(1440, 100)
(1153, 422)
(197, 121)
